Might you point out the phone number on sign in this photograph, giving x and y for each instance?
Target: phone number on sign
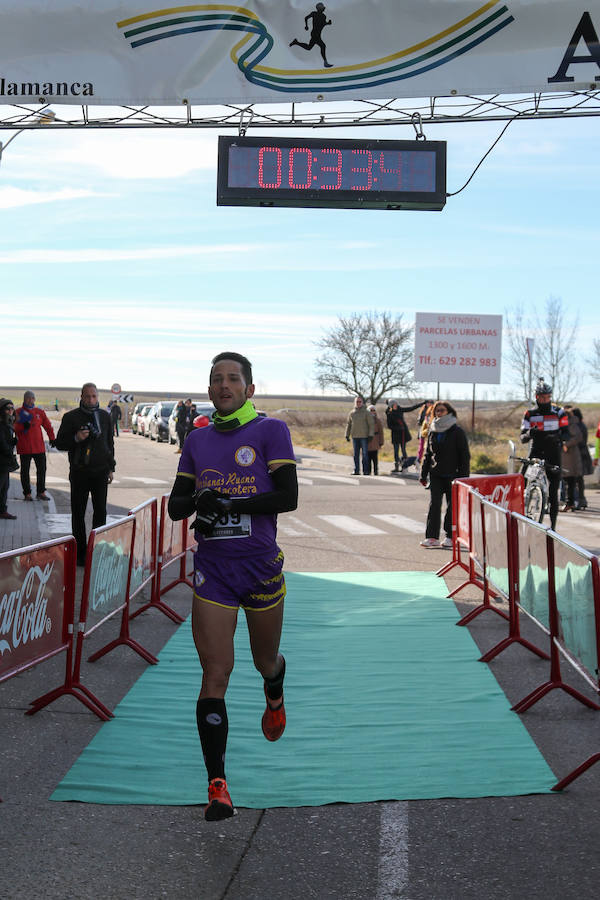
(466, 361)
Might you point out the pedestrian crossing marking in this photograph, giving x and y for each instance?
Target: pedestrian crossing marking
(143, 480)
(400, 522)
(54, 479)
(60, 523)
(351, 526)
(341, 479)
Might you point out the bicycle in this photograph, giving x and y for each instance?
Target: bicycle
(537, 489)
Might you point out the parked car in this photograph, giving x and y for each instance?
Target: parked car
(134, 416)
(158, 420)
(142, 420)
(203, 408)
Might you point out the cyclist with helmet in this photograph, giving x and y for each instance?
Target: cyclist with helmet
(546, 427)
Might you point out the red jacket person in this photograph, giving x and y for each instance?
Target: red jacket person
(29, 421)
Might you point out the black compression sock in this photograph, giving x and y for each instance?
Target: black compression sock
(274, 686)
(211, 717)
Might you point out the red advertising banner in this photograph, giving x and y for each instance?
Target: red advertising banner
(36, 604)
(506, 491)
(174, 541)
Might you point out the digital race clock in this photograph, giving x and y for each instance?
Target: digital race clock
(350, 174)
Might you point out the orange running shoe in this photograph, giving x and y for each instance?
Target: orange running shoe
(219, 802)
(273, 721)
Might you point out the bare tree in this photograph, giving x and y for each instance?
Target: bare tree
(555, 354)
(516, 331)
(367, 354)
(593, 360)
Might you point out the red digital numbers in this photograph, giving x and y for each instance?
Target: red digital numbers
(391, 171)
(293, 152)
(261, 172)
(337, 169)
(368, 169)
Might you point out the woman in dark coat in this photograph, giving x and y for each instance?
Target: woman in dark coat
(400, 435)
(586, 460)
(447, 457)
(8, 460)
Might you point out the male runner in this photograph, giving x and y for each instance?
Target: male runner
(319, 21)
(236, 474)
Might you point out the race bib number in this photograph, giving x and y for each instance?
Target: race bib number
(231, 525)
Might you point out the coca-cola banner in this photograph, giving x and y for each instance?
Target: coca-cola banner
(502, 490)
(108, 581)
(143, 567)
(33, 601)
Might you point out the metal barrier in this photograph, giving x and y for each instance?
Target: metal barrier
(174, 541)
(37, 608)
(506, 491)
(567, 638)
(106, 585)
(501, 541)
(555, 582)
(145, 560)
(479, 561)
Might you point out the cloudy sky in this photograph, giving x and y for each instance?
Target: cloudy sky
(117, 265)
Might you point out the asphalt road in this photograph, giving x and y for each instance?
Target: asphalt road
(448, 849)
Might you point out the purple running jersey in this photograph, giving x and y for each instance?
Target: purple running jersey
(237, 463)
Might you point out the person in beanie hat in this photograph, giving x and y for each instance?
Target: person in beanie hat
(29, 421)
(8, 460)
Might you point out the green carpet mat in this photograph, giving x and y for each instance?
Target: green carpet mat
(385, 700)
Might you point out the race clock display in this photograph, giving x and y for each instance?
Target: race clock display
(347, 174)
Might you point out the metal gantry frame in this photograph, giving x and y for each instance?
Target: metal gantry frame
(325, 114)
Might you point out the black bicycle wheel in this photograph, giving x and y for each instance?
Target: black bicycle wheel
(534, 503)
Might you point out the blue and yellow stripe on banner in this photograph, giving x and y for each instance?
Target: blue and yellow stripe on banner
(256, 43)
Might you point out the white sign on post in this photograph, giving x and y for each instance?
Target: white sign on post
(458, 348)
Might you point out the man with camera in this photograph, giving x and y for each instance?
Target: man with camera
(86, 432)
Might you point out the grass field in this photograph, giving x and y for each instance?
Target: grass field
(320, 422)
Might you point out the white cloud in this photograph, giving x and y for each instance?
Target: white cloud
(90, 255)
(129, 154)
(11, 197)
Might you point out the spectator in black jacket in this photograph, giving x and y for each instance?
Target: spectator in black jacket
(8, 460)
(183, 422)
(447, 457)
(400, 435)
(87, 433)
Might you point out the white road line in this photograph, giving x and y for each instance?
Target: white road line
(402, 522)
(143, 480)
(392, 870)
(54, 479)
(58, 523)
(288, 532)
(304, 480)
(342, 479)
(305, 529)
(350, 525)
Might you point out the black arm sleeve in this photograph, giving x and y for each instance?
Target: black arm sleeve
(404, 409)
(181, 502)
(283, 499)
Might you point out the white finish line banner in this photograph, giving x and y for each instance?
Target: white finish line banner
(458, 348)
(116, 52)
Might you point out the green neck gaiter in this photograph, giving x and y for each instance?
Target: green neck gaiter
(240, 417)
